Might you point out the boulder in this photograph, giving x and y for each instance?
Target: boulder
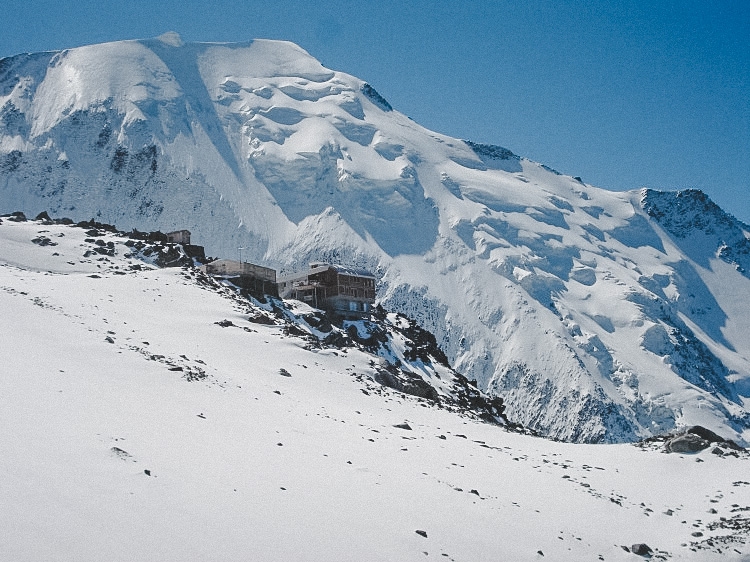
(687, 443)
(641, 549)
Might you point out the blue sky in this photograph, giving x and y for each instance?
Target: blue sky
(625, 94)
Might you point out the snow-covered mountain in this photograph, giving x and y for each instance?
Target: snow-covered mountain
(596, 316)
(155, 414)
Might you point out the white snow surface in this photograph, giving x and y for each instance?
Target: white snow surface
(597, 316)
(111, 454)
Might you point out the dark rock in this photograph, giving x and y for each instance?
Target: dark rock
(687, 443)
(336, 339)
(120, 453)
(291, 329)
(224, 323)
(43, 216)
(706, 434)
(147, 472)
(421, 533)
(403, 426)
(18, 216)
(284, 373)
(376, 98)
(641, 549)
(258, 318)
(406, 382)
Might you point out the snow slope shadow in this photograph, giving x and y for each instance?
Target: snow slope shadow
(182, 62)
(395, 213)
(697, 303)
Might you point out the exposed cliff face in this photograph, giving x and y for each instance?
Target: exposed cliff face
(597, 316)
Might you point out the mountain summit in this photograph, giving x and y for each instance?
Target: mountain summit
(596, 316)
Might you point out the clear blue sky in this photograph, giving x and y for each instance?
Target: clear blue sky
(625, 93)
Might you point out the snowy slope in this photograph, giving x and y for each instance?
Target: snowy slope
(596, 316)
(145, 417)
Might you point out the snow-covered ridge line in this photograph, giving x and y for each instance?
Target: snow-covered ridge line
(595, 316)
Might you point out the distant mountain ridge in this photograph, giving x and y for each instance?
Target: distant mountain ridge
(596, 316)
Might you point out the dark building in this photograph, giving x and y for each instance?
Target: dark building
(345, 291)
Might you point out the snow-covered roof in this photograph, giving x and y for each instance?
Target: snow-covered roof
(353, 271)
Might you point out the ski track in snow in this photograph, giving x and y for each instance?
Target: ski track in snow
(111, 452)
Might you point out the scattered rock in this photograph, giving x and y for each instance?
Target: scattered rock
(43, 241)
(404, 425)
(109, 339)
(224, 323)
(147, 472)
(284, 373)
(421, 533)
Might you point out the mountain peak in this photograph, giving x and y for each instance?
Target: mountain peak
(171, 38)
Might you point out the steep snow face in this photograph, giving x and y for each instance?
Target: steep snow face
(597, 316)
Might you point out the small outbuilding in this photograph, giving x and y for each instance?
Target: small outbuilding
(249, 276)
(179, 237)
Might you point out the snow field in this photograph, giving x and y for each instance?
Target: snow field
(245, 463)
